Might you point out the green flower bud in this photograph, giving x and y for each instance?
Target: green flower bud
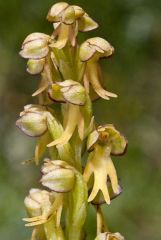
(55, 13)
(73, 92)
(68, 91)
(95, 48)
(33, 121)
(35, 200)
(58, 176)
(39, 207)
(35, 46)
(35, 36)
(109, 236)
(35, 66)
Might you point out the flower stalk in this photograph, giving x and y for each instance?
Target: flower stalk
(75, 153)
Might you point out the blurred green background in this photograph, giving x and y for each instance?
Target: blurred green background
(134, 73)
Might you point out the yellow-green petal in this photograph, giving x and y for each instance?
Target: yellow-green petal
(55, 13)
(68, 16)
(86, 23)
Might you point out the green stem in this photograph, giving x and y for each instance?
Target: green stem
(52, 231)
(101, 224)
(76, 144)
(76, 209)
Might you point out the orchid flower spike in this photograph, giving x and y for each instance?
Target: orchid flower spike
(79, 168)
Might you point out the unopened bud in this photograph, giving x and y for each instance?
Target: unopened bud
(33, 120)
(35, 200)
(35, 46)
(68, 91)
(95, 48)
(58, 176)
(73, 92)
(54, 14)
(35, 66)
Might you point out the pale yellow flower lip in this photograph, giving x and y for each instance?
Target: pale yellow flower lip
(71, 124)
(93, 75)
(99, 199)
(100, 164)
(104, 141)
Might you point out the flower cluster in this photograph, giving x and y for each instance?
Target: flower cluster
(66, 131)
